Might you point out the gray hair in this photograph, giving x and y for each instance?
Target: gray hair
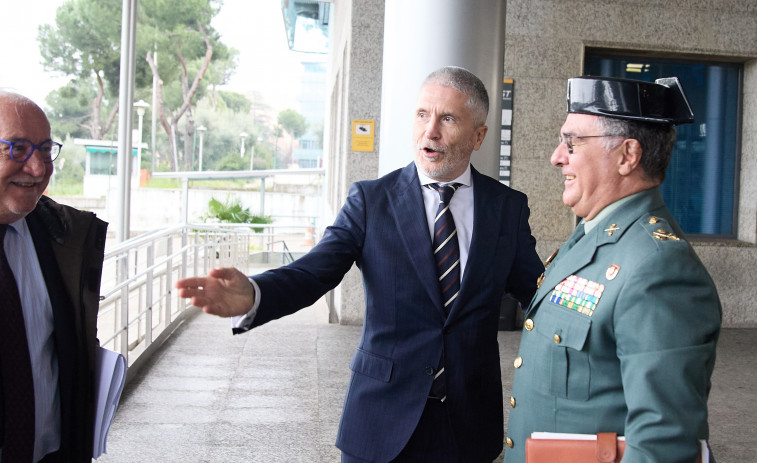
(467, 83)
(657, 142)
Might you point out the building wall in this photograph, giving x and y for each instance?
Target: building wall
(355, 93)
(545, 42)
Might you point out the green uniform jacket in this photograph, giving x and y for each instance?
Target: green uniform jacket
(620, 337)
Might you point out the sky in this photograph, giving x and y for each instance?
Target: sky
(254, 27)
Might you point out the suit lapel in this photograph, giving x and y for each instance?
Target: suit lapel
(407, 206)
(487, 215)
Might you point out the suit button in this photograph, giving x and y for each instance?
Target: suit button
(512, 401)
(529, 324)
(557, 338)
(430, 371)
(518, 362)
(509, 442)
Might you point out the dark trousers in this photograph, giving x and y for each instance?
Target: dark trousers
(51, 458)
(432, 440)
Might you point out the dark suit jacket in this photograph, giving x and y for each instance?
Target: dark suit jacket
(383, 229)
(70, 245)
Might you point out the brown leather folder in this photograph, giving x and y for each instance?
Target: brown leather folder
(607, 448)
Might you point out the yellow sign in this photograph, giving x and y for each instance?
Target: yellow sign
(363, 133)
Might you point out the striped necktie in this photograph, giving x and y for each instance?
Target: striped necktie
(17, 416)
(446, 248)
(447, 257)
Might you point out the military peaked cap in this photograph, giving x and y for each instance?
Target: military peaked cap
(661, 101)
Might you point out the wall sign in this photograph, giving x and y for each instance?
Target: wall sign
(506, 131)
(363, 134)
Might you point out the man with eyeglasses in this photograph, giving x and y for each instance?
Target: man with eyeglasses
(51, 259)
(621, 334)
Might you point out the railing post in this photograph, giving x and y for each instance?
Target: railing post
(196, 252)
(123, 275)
(149, 294)
(184, 261)
(169, 281)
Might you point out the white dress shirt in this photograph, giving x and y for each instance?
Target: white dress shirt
(38, 319)
(461, 207)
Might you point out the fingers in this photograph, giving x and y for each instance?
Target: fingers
(227, 273)
(224, 292)
(193, 282)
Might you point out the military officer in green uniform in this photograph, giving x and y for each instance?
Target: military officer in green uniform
(621, 334)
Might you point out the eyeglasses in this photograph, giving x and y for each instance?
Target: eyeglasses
(568, 139)
(21, 150)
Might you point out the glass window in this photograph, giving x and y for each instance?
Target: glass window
(103, 162)
(700, 185)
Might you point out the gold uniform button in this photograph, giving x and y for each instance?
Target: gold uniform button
(557, 338)
(653, 220)
(529, 324)
(512, 401)
(509, 442)
(518, 362)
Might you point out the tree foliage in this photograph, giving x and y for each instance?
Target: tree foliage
(183, 33)
(293, 123)
(84, 43)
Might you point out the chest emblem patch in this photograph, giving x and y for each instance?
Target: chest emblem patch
(578, 294)
(612, 271)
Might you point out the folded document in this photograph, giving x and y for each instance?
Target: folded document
(110, 376)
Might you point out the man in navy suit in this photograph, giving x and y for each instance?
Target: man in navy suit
(413, 338)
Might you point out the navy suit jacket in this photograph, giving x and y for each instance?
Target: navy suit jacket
(383, 229)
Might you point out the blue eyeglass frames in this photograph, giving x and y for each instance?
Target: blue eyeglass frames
(21, 150)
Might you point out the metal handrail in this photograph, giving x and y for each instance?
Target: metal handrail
(137, 303)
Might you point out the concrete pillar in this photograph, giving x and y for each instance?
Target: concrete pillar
(423, 35)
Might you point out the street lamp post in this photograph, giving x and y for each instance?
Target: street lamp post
(252, 152)
(202, 130)
(141, 106)
(242, 136)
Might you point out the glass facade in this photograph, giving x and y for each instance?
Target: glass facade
(700, 186)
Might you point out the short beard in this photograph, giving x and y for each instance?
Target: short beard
(445, 170)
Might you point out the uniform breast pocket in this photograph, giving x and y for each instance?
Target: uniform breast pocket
(569, 369)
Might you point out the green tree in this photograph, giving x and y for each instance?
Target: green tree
(84, 43)
(224, 124)
(293, 123)
(71, 109)
(186, 45)
(232, 161)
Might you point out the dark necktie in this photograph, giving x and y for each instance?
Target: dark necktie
(16, 368)
(447, 256)
(446, 248)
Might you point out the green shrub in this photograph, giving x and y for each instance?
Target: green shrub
(231, 211)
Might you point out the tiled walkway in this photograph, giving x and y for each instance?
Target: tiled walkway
(275, 394)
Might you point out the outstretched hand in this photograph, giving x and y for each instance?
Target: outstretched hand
(225, 292)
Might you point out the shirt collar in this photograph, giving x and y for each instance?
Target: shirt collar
(590, 224)
(464, 179)
(19, 226)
